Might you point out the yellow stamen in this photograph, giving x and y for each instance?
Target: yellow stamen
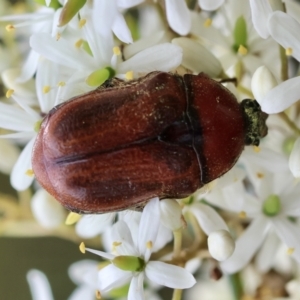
(46, 89)
(242, 50)
(72, 218)
(290, 251)
(58, 36)
(129, 75)
(242, 214)
(29, 172)
(98, 294)
(260, 175)
(10, 27)
(207, 22)
(116, 51)
(149, 245)
(79, 43)
(288, 51)
(256, 149)
(82, 23)
(82, 247)
(61, 83)
(9, 93)
(116, 244)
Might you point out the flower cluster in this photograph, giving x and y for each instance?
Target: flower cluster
(242, 227)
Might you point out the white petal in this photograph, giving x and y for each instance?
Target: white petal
(10, 79)
(79, 269)
(169, 275)
(178, 16)
(14, 118)
(285, 30)
(149, 225)
(282, 96)
(294, 160)
(128, 3)
(262, 82)
(136, 289)
(47, 211)
(104, 13)
(61, 52)
(288, 232)
(29, 67)
(208, 218)
(18, 179)
(121, 233)
(39, 285)
(11, 154)
(111, 277)
(220, 244)
(101, 253)
(260, 11)
(246, 245)
(265, 257)
(121, 29)
(163, 57)
(47, 75)
(83, 292)
(210, 4)
(92, 225)
(171, 213)
(197, 58)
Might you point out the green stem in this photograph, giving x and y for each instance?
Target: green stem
(284, 64)
(236, 285)
(177, 243)
(177, 294)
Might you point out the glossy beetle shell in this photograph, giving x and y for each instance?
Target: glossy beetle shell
(162, 135)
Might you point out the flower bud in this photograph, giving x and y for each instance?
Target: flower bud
(170, 212)
(262, 82)
(220, 244)
(129, 263)
(294, 160)
(46, 210)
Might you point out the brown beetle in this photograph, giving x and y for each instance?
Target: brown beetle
(162, 135)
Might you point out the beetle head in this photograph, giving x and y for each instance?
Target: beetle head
(256, 127)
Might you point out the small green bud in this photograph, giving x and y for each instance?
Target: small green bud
(271, 206)
(120, 292)
(70, 9)
(129, 263)
(53, 4)
(37, 126)
(98, 77)
(240, 35)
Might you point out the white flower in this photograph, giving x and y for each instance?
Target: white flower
(275, 200)
(44, 20)
(231, 38)
(46, 210)
(24, 120)
(39, 285)
(294, 160)
(163, 57)
(210, 4)
(132, 262)
(220, 244)
(84, 274)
